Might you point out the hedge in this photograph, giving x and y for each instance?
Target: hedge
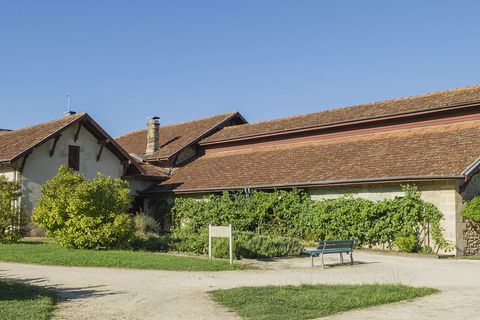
(393, 222)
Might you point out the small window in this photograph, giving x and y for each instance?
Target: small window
(74, 157)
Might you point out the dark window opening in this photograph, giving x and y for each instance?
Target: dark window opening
(74, 157)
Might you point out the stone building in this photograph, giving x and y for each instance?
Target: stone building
(33, 155)
(368, 150)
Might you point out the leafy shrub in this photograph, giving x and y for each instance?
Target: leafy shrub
(407, 244)
(80, 213)
(151, 243)
(251, 245)
(472, 209)
(342, 218)
(293, 214)
(12, 216)
(146, 225)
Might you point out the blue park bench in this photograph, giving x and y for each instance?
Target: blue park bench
(332, 246)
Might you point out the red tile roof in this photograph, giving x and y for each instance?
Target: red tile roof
(13, 143)
(173, 138)
(441, 151)
(371, 110)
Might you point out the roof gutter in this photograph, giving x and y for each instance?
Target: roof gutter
(316, 184)
(472, 168)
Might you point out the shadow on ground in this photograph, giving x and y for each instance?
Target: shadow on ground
(64, 293)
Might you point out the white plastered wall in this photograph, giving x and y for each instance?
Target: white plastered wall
(40, 167)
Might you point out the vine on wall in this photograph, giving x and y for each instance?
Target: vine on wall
(401, 222)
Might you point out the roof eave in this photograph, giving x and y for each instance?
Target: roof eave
(316, 184)
(50, 136)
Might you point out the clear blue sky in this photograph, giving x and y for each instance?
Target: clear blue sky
(126, 60)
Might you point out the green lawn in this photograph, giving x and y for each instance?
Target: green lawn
(310, 301)
(52, 254)
(26, 302)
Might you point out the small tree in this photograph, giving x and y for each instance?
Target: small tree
(82, 213)
(12, 215)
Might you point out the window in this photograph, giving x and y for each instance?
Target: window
(74, 157)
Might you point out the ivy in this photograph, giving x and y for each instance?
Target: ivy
(292, 213)
(472, 210)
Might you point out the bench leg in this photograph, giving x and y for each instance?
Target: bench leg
(341, 258)
(323, 262)
(311, 258)
(351, 257)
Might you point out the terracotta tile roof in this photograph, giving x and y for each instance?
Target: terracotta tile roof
(153, 171)
(402, 105)
(422, 152)
(172, 137)
(13, 143)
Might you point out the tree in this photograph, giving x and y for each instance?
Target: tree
(12, 214)
(82, 213)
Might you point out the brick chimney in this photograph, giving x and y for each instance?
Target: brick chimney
(153, 126)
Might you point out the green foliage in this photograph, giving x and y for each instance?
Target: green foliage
(293, 214)
(12, 215)
(82, 213)
(472, 209)
(407, 244)
(251, 245)
(342, 218)
(146, 225)
(151, 242)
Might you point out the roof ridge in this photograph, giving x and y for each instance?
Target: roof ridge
(466, 88)
(179, 123)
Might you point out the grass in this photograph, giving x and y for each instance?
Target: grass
(52, 254)
(310, 301)
(26, 302)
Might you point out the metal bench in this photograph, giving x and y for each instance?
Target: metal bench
(332, 246)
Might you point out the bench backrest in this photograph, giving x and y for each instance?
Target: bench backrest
(336, 244)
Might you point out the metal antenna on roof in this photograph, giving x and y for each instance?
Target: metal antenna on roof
(69, 105)
(68, 102)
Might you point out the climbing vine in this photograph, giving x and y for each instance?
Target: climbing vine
(401, 222)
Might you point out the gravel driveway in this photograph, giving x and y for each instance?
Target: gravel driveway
(104, 293)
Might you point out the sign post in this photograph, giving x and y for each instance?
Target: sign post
(220, 232)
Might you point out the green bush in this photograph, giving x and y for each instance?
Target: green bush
(12, 216)
(251, 245)
(472, 209)
(146, 225)
(82, 213)
(151, 243)
(407, 244)
(293, 214)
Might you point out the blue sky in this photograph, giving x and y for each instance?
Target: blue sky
(123, 61)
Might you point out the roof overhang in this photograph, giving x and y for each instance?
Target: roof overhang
(93, 127)
(311, 184)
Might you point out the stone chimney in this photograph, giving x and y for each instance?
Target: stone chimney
(153, 143)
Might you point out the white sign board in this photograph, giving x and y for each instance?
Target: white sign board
(220, 232)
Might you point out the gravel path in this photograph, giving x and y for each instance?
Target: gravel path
(103, 293)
